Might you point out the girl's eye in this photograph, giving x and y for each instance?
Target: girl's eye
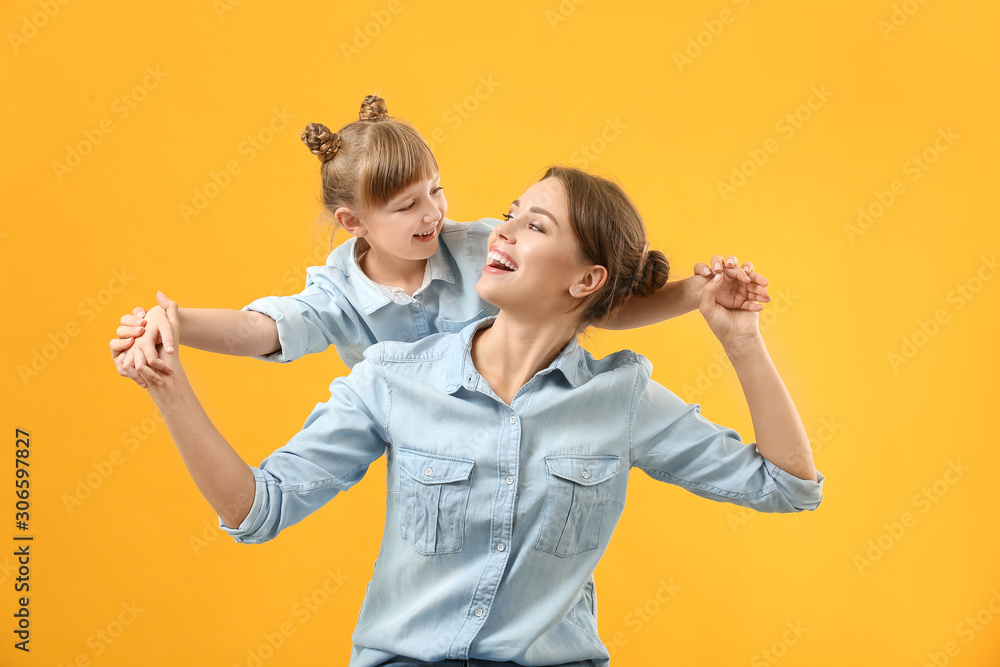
(408, 206)
(437, 190)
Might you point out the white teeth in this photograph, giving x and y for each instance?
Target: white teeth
(500, 259)
(425, 234)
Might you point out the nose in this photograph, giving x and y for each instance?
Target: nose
(505, 231)
(431, 212)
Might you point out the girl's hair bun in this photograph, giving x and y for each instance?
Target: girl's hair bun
(373, 108)
(321, 141)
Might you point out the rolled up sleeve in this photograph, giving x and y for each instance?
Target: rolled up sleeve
(308, 322)
(672, 442)
(331, 453)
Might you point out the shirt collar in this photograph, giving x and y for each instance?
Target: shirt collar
(571, 361)
(371, 297)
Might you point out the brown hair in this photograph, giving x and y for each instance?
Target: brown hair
(610, 233)
(368, 161)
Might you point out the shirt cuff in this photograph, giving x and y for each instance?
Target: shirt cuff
(801, 494)
(287, 336)
(255, 517)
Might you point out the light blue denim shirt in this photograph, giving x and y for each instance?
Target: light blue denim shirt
(340, 306)
(496, 514)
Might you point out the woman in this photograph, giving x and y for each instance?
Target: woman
(508, 445)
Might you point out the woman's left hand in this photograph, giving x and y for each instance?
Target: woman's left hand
(731, 300)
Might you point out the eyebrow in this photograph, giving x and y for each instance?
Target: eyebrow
(409, 193)
(537, 209)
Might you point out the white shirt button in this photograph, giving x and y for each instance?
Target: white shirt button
(513, 419)
(510, 480)
(586, 475)
(501, 547)
(428, 471)
(479, 612)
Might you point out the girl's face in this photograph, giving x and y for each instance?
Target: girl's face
(407, 226)
(534, 259)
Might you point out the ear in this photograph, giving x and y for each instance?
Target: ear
(592, 280)
(346, 218)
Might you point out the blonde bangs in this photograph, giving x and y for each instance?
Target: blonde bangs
(396, 157)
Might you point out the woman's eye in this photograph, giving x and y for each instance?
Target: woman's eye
(536, 227)
(506, 216)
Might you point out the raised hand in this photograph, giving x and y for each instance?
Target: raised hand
(731, 300)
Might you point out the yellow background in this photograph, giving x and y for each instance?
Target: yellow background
(134, 573)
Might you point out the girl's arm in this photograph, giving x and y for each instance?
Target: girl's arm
(682, 296)
(236, 332)
(221, 475)
(780, 436)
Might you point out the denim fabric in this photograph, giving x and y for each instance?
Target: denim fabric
(497, 514)
(340, 306)
(409, 662)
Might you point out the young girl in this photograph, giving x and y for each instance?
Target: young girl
(407, 273)
(508, 446)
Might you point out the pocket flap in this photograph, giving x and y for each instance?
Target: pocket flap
(432, 468)
(584, 470)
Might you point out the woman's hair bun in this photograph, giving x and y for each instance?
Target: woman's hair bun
(321, 141)
(655, 272)
(373, 108)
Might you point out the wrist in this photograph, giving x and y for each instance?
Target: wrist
(744, 347)
(693, 287)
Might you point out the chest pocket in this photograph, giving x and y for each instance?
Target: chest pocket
(434, 497)
(576, 493)
(451, 326)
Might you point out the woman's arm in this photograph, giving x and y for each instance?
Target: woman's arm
(222, 476)
(780, 436)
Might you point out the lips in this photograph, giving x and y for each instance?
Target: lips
(500, 261)
(426, 236)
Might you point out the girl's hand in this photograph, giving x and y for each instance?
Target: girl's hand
(729, 301)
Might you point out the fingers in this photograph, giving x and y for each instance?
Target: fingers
(139, 312)
(167, 335)
(128, 371)
(119, 345)
(149, 375)
(161, 365)
(735, 271)
(143, 370)
(133, 321)
(129, 332)
(173, 316)
(703, 269)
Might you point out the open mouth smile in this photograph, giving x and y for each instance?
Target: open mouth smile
(500, 261)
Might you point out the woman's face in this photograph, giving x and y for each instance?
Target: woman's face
(534, 260)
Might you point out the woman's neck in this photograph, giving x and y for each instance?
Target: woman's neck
(391, 271)
(513, 350)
